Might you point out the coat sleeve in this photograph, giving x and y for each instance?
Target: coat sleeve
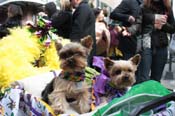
(58, 20)
(120, 12)
(136, 27)
(169, 27)
(148, 16)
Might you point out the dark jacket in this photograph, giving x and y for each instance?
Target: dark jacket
(125, 9)
(159, 38)
(62, 21)
(145, 25)
(84, 24)
(121, 13)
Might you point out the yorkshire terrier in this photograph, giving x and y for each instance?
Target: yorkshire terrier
(120, 75)
(70, 83)
(122, 72)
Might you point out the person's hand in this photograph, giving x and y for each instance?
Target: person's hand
(118, 28)
(42, 14)
(131, 19)
(160, 19)
(126, 33)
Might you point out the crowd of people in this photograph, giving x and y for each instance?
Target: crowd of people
(139, 26)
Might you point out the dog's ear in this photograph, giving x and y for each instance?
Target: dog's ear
(108, 63)
(135, 59)
(58, 45)
(87, 42)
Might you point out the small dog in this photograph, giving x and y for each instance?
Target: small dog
(70, 83)
(122, 72)
(118, 76)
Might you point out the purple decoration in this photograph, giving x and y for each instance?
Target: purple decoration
(99, 62)
(160, 108)
(114, 37)
(100, 83)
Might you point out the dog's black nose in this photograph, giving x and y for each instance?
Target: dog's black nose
(126, 78)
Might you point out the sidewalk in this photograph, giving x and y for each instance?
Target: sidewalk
(169, 83)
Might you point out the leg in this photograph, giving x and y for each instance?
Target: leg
(144, 67)
(84, 101)
(58, 102)
(48, 89)
(158, 63)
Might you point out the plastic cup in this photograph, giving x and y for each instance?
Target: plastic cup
(127, 109)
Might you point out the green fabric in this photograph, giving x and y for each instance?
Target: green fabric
(90, 73)
(140, 93)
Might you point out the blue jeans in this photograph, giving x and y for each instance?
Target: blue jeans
(159, 59)
(144, 67)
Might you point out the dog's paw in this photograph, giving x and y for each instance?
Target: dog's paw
(58, 111)
(85, 108)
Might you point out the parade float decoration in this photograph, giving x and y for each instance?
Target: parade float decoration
(28, 51)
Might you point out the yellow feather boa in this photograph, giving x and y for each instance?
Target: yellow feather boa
(17, 53)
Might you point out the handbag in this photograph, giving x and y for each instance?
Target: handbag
(143, 42)
(172, 44)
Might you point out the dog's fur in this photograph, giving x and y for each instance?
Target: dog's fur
(73, 57)
(122, 72)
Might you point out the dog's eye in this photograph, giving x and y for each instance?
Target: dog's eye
(80, 54)
(117, 72)
(129, 70)
(64, 55)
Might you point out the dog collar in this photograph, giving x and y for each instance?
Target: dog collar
(75, 76)
(111, 89)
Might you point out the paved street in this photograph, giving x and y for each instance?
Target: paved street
(168, 78)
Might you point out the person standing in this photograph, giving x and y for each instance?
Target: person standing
(159, 38)
(83, 24)
(50, 9)
(102, 34)
(157, 20)
(126, 13)
(14, 13)
(62, 21)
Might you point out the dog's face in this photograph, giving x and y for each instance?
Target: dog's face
(122, 72)
(73, 56)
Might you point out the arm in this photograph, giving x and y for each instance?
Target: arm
(148, 16)
(120, 12)
(136, 27)
(59, 19)
(169, 27)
